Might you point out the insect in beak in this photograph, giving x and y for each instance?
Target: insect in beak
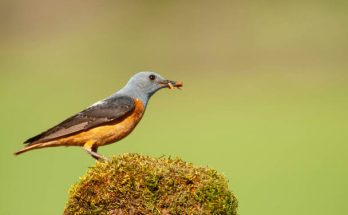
(172, 84)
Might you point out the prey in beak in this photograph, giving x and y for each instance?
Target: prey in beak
(172, 84)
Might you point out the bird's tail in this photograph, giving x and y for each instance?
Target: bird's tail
(36, 146)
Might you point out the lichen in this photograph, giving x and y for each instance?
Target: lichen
(138, 184)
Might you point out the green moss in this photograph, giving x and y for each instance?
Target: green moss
(137, 184)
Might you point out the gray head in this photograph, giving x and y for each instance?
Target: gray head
(144, 84)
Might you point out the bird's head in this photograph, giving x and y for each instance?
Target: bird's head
(144, 84)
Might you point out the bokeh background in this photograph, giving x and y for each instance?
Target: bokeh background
(265, 99)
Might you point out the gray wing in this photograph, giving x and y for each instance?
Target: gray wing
(111, 109)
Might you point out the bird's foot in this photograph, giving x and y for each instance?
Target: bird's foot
(97, 156)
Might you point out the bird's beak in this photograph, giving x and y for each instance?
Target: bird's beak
(172, 84)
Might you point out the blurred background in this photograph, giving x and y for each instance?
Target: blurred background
(265, 100)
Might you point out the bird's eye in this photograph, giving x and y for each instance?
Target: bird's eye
(152, 77)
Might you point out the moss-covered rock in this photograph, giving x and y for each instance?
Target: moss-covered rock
(137, 184)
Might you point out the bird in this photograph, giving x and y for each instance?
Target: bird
(106, 121)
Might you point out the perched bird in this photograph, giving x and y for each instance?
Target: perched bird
(106, 121)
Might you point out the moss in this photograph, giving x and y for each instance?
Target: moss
(137, 184)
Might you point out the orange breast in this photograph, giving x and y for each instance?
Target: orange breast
(110, 133)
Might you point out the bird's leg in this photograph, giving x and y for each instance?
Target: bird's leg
(91, 149)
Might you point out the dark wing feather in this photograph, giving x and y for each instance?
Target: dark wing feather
(112, 109)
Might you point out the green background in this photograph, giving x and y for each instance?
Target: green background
(265, 99)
